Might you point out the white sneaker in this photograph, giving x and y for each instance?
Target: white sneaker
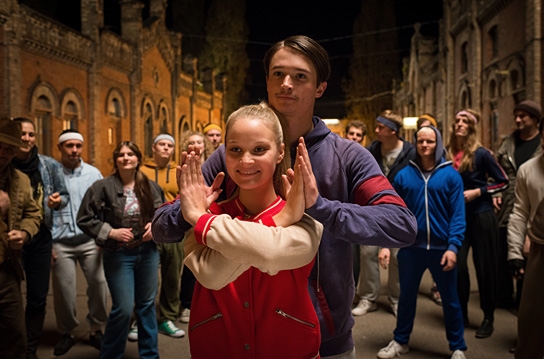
(133, 333)
(185, 315)
(458, 354)
(364, 307)
(392, 350)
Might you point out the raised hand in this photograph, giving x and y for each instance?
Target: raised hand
(311, 191)
(195, 196)
(297, 191)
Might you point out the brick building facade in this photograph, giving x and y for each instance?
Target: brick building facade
(109, 87)
(487, 56)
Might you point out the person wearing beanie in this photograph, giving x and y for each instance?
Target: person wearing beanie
(70, 246)
(527, 220)
(50, 192)
(162, 169)
(426, 120)
(214, 133)
(531, 108)
(19, 220)
(515, 149)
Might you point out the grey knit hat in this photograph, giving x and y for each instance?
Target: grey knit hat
(531, 107)
(10, 132)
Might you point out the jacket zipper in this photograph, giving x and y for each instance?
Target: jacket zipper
(288, 316)
(214, 317)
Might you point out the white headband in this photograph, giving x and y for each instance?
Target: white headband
(164, 136)
(70, 136)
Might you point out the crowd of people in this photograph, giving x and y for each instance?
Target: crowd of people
(255, 242)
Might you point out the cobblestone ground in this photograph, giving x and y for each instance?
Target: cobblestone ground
(371, 332)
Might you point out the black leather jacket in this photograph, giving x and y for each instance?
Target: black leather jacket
(103, 205)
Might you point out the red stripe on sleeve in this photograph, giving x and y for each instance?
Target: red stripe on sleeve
(373, 186)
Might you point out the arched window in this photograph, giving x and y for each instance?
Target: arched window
(114, 108)
(492, 47)
(163, 120)
(115, 111)
(70, 116)
(44, 106)
(44, 115)
(148, 130)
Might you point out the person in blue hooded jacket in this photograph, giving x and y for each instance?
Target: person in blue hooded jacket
(433, 190)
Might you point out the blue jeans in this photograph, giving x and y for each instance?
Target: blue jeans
(132, 276)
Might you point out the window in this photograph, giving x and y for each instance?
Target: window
(148, 130)
(44, 115)
(70, 116)
(163, 120)
(114, 108)
(115, 112)
(492, 43)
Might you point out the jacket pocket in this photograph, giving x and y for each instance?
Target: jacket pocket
(206, 321)
(294, 319)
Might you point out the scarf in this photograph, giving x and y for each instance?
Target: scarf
(30, 167)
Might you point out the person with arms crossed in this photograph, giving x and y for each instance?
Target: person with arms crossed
(433, 190)
(348, 194)
(256, 290)
(71, 245)
(20, 219)
(162, 170)
(527, 220)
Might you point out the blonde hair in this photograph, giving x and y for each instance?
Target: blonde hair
(208, 145)
(469, 147)
(276, 123)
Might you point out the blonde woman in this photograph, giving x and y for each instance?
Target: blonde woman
(482, 176)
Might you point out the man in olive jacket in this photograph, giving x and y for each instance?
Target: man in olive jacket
(19, 220)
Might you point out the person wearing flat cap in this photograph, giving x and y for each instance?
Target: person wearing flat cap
(518, 147)
(71, 245)
(214, 133)
(20, 219)
(162, 170)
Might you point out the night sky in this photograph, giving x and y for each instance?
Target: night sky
(331, 24)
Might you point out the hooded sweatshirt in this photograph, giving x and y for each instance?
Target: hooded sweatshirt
(436, 199)
(165, 177)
